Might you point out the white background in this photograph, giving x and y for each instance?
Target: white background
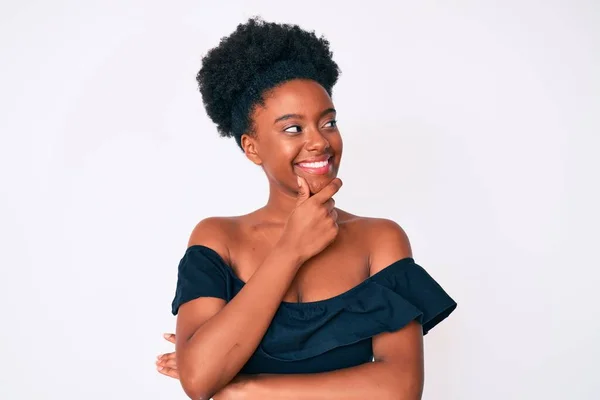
(474, 125)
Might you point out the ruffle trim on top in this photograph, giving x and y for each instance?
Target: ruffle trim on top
(386, 302)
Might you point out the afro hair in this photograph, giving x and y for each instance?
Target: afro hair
(257, 57)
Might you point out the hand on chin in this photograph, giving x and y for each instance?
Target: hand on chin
(316, 183)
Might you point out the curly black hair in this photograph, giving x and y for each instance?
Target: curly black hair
(257, 57)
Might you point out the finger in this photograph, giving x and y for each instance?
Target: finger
(303, 190)
(334, 214)
(170, 362)
(164, 357)
(170, 372)
(169, 337)
(325, 194)
(329, 205)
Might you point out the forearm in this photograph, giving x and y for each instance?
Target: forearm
(374, 380)
(218, 349)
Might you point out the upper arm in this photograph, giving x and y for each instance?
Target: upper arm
(402, 349)
(212, 233)
(402, 352)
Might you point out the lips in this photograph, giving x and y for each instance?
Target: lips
(317, 165)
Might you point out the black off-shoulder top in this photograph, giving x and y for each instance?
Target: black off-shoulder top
(329, 334)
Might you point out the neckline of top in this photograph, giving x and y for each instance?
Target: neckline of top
(308, 303)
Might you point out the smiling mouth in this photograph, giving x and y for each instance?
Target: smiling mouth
(316, 167)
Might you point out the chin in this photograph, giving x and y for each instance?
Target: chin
(316, 184)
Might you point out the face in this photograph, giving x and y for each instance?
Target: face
(296, 135)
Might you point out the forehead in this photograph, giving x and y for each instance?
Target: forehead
(296, 96)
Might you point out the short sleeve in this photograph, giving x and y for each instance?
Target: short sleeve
(201, 273)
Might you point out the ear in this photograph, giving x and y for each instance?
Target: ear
(250, 146)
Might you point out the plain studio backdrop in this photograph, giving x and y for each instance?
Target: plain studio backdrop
(474, 125)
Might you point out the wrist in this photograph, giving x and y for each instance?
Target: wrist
(289, 252)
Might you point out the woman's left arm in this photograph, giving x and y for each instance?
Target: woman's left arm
(397, 372)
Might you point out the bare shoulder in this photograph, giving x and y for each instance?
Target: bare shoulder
(386, 239)
(215, 233)
(386, 232)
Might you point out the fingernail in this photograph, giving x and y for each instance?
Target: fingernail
(160, 368)
(299, 182)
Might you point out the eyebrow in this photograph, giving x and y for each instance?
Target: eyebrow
(289, 116)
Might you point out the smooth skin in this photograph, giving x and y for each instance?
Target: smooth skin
(297, 248)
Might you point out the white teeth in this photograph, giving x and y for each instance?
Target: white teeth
(319, 164)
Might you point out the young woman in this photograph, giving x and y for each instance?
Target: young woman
(298, 299)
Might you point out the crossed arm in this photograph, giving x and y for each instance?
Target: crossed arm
(396, 373)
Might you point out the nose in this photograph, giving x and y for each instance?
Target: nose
(315, 141)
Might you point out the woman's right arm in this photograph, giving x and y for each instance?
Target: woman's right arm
(215, 339)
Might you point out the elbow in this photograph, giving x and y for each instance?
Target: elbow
(197, 387)
(199, 379)
(194, 390)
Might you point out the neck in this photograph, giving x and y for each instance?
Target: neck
(280, 205)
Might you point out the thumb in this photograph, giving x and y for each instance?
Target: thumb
(303, 190)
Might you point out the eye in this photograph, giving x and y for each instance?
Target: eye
(290, 129)
(331, 124)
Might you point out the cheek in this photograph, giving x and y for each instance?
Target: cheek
(279, 163)
(338, 144)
